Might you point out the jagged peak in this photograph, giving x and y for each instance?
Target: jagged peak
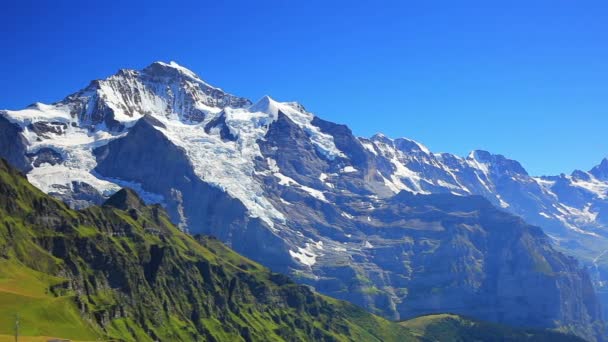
(600, 170)
(603, 164)
(380, 137)
(403, 144)
(480, 155)
(582, 175)
(265, 105)
(125, 199)
(482, 159)
(171, 68)
(272, 107)
(411, 145)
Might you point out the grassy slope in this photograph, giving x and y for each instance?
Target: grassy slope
(24, 291)
(448, 327)
(131, 275)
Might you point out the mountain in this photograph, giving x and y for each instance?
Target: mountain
(122, 271)
(382, 223)
(571, 209)
(448, 327)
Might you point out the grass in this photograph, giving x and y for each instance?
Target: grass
(25, 292)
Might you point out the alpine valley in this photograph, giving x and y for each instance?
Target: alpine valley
(382, 223)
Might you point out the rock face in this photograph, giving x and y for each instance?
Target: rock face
(13, 145)
(304, 196)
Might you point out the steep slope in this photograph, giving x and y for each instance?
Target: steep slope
(122, 271)
(570, 208)
(304, 196)
(447, 327)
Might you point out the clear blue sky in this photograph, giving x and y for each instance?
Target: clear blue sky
(527, 79)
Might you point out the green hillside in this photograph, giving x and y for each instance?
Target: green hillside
(454, 328)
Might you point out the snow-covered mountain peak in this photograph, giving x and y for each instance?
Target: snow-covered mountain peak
(266, 105)
(404, 144)
(496, 163)
(170, 68)
(161, 89)
(296, 113)
(411, 146)
(272, 107)
(480, 155)
(379, 137)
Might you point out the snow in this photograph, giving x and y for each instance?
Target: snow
(502, 203)
(348, 169)
(397, 158)
(288, 181)
(571, 217)
(473, 161)
(146, 196)
(58, 179)
(303, 256)
(595, 186)
(233, 161)
(323, 142)
(39, 112)
(323, 178)
(307, 255)
(445, 184)
(179, 68)
(369, 146)
(315, 193)
(422, 148)
(284, 180)
(347, 215)
(75, 145)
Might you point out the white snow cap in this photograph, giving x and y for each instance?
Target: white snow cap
(296, 113)
(177, 67)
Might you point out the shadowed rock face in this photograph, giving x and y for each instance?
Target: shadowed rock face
(304, 196)
(13, 147)
(417, 254)
(78, 195)
(45, 155)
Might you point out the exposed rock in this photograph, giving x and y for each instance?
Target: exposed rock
(13, 146)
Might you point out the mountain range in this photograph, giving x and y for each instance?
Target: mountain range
(383, 223)
(123, 272)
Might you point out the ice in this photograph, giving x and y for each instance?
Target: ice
(348, 169)
(39, 112)
(307, 255)
(323, 142)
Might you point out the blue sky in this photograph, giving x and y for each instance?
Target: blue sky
(527, 79)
